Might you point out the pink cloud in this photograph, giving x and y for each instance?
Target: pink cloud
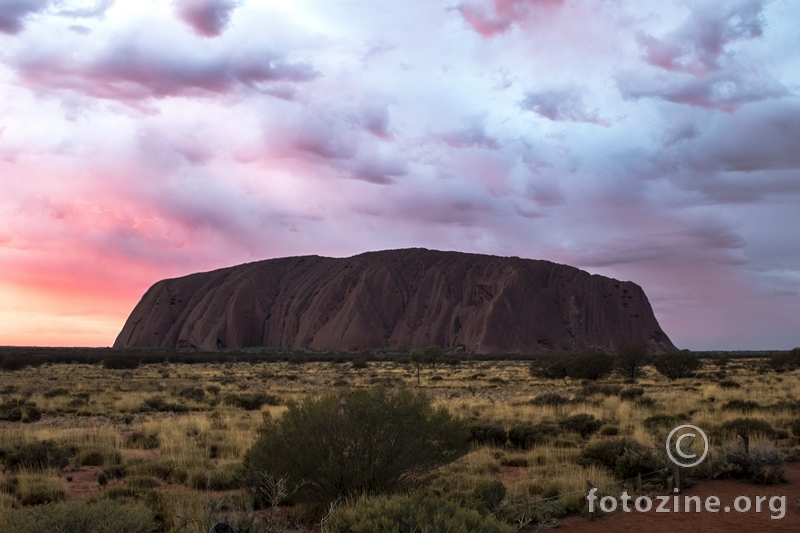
(208, 18)
(493, 17)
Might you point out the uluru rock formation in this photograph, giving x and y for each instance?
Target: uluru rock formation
(398, 299)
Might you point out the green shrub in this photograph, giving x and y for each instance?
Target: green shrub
(121, 362)
(590, 365)
(677, 365)
(158, 403)
(142, 440)
(37, 455)
(660, 421)
(550, 398)
(96, 457)
(764, 464)
(410, 514)
(193, 393)
(784, 362)
(223, 478)
(252, 402)
(359, 363)
(625, 457)
(20, 410)
(583, 424)
(741, 405)
(729, 384)
(609, 431)
(139, 483)
(747, 427)
(489, 494)
(52, 393)
(630, 360)
(487, 433)
(599, 389)
(550, 366)
(363, 441)
(525, 436)
(631, 393)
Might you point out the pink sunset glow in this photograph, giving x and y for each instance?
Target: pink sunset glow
(651, 142)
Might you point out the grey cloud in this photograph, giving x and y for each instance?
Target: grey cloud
(697, 46)
(207, 18)
(723, 90)
(561, 105)
(473, 136)
(381, 171)
(14, 12)
(96, 10)
(376, 120)
(130, 72)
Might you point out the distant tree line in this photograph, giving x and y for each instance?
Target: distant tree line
(628, 361)
(591, 365)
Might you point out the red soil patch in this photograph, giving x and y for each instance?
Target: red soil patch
(726, 491)
(83, 482)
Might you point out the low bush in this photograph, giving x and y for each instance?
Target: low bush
(362, 441)
(550, 366)
(487, 433)
(582, 424)
(222, 478)
(631, 393)
(193, 393)
(624, 457)
(40, 489)
(747, 427)
(591, 365)
(740, 405)
(252, 402)
(488, 495)
(142, 440)
(526, 436)
(660, 421)
(550, 399)
(121, 362)
(729, 384)
(20, 411)
(786, 361)
(677, 365)
(405, 514)
(609, 431)
(599, 389)
(52, 393)
(37, 455)
(764, 464)
(139, 483)
(98, 457)
(158, 403)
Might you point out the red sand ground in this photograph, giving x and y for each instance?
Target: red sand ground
(706, 522)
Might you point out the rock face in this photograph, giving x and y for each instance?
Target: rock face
(395, 299)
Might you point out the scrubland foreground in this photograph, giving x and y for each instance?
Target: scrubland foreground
(373, 446)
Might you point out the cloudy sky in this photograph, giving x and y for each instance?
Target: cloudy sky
(657, 142)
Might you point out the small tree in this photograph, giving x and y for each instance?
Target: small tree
(357, 442)
(677, 365)
(417, 358)
(432, 354)
(551, 366)
(590, 365)
(630, 360)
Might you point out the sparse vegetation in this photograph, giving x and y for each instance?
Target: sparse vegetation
(169, 438)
